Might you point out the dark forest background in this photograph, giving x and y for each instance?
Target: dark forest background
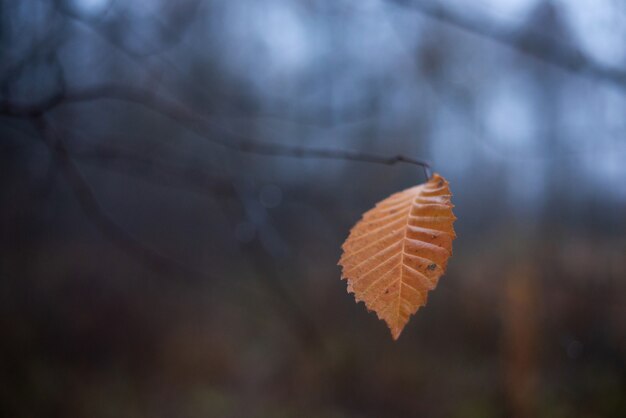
(177, 178)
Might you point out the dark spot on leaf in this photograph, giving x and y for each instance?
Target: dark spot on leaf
(432, 266)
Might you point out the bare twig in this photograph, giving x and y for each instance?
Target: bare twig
(197, 123)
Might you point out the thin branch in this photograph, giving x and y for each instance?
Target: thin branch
(527, 42)
(197, 123)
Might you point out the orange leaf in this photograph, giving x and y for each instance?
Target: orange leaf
(396, 253)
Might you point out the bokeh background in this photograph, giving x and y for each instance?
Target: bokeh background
(154, 264)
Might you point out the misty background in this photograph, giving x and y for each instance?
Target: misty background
(177, 178)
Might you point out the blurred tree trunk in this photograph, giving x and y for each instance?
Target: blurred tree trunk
(520, 348)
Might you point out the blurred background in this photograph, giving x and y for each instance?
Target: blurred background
(177, 178)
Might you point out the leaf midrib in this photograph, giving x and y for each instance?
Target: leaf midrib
(404, 240)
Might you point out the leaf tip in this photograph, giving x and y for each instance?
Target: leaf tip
(396, 331)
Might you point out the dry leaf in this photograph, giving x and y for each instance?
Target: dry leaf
(396, 253)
